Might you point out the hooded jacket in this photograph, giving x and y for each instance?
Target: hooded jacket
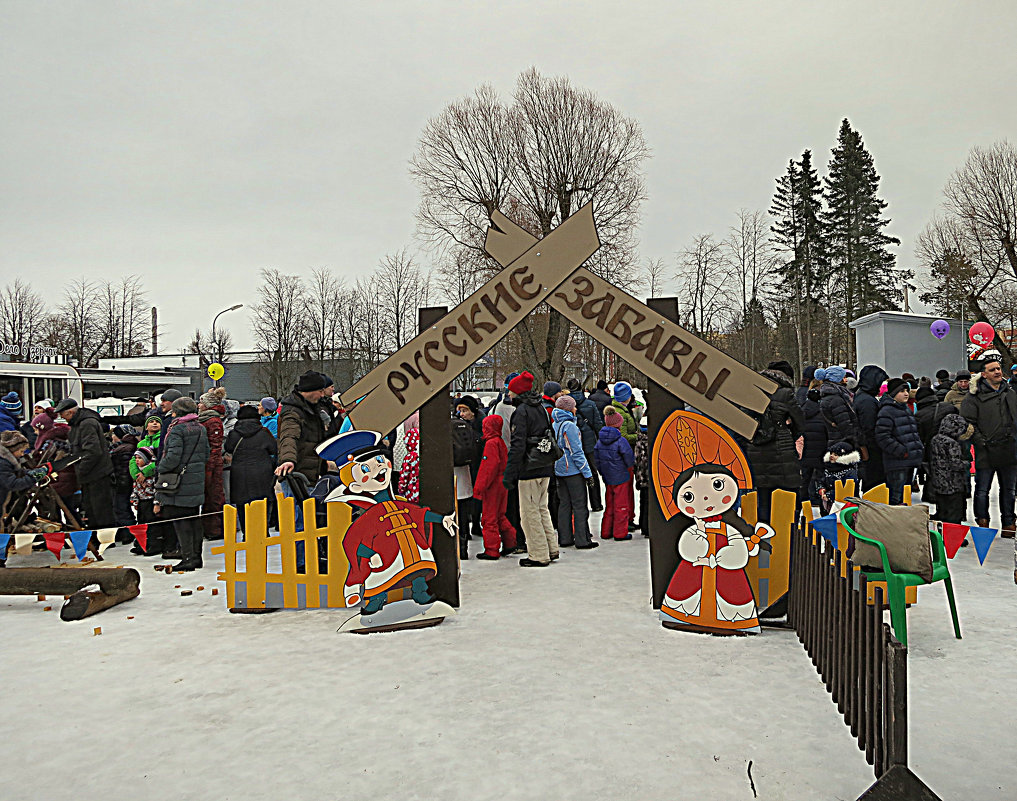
(600, 398)
(589, 419)
(771, 451)
(87, 441)
(495, 459)
(930, 415)
(12, 479)
(949, 459)
(148, 441)
(866, 405)
(566, 431)
(839, 468)
(956, 394)
(185, 451)
(300, 433)
(253, 451)
(993, 414)
(897, 435)
(839, 414)
(530, 419)
(630, 428)
(815, 431)
(614, 456)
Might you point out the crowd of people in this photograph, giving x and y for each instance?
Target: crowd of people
(530, 467)
(903, 431)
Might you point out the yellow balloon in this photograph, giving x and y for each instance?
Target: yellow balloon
(216, 371)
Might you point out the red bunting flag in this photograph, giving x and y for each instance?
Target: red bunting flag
(55, 542)
(140, 532)
(953, 536)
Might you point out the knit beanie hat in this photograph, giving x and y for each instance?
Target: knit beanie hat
(551, 388)
(820, 374)
(809, 373)
(184, 406)
(622, 391)
(566, 402)
(328, 381)
(147, 453)
(42, 422)
(469, 402)
(509, 377)
(784, 367)
(311, 381)
(841, 449)
(152, 417)
(171, 395)
(602, 384)
(213, 397)
(521, 384)
(43, 403)
(574, 385)
(613, 418)
(963, 375)
(13, 439)
(895, 385)
(269, 404)
(247, 413)
(835, 374)
(11, 402)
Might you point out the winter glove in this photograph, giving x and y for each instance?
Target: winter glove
(508, 484)
(590, 483)
(39, 474)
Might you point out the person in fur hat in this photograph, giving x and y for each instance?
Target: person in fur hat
(839, 464)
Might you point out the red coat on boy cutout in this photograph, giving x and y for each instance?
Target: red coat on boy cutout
(499, 534)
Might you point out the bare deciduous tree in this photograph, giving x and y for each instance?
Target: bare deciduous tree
(22, 314)
(402, 288)
(125, 318)
(81, 311)
(537, 160)
(278, 327)
(704, 286)
(751, 258)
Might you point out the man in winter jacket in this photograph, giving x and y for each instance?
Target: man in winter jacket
(959, 391)
(866, 407)
(532, 474)
(771, 451)
(301, 428)
(991, 407)
(590, 420)
(898, 438)
(95, 469)
(600, 397)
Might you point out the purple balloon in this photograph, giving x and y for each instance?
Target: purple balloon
(940, 329)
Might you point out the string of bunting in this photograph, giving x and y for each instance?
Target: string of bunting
(78, 541)
(953, 535)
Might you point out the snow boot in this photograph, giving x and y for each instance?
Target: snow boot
(485, 556)
(532, 563)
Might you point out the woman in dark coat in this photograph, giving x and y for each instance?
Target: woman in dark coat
(771, 451)
(898, 438)
(813, 448)
(838, 409)
(211, 414)
(185, 454)
(252, 452)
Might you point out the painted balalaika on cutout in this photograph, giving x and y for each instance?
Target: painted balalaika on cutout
(699, 474)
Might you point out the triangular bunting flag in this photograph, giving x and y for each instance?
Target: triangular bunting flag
(23, 543)
(982, 538)
(140, 532)
(106, 537)
(953, 536)
(55, 542)
(4, 540)
(827, 528)
(80, 540)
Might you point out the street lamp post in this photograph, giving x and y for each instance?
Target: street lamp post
(231, 308)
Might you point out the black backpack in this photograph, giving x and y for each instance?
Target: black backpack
(464, 443)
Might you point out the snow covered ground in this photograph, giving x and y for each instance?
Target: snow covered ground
(554, 683)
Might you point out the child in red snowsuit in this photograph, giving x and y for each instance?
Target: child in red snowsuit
(499, 535)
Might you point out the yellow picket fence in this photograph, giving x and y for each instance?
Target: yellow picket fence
(255, 587)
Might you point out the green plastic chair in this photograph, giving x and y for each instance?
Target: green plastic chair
(897, 582)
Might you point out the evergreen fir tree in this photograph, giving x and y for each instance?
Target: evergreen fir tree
(865, 269)
(799, 232)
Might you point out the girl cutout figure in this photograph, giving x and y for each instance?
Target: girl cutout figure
(698, 474)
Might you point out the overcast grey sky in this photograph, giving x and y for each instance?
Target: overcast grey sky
(195, 143)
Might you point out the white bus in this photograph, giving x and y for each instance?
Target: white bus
(33, 382)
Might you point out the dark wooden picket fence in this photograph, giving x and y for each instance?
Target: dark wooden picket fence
(862, 664)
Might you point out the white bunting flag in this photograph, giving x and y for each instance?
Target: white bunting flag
(106, 537)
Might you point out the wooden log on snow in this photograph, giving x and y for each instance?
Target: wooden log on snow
(106, 586)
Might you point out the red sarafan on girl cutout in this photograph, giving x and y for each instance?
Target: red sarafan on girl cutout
(688, 439)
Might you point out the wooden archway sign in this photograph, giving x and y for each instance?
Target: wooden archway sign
(417, 376)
